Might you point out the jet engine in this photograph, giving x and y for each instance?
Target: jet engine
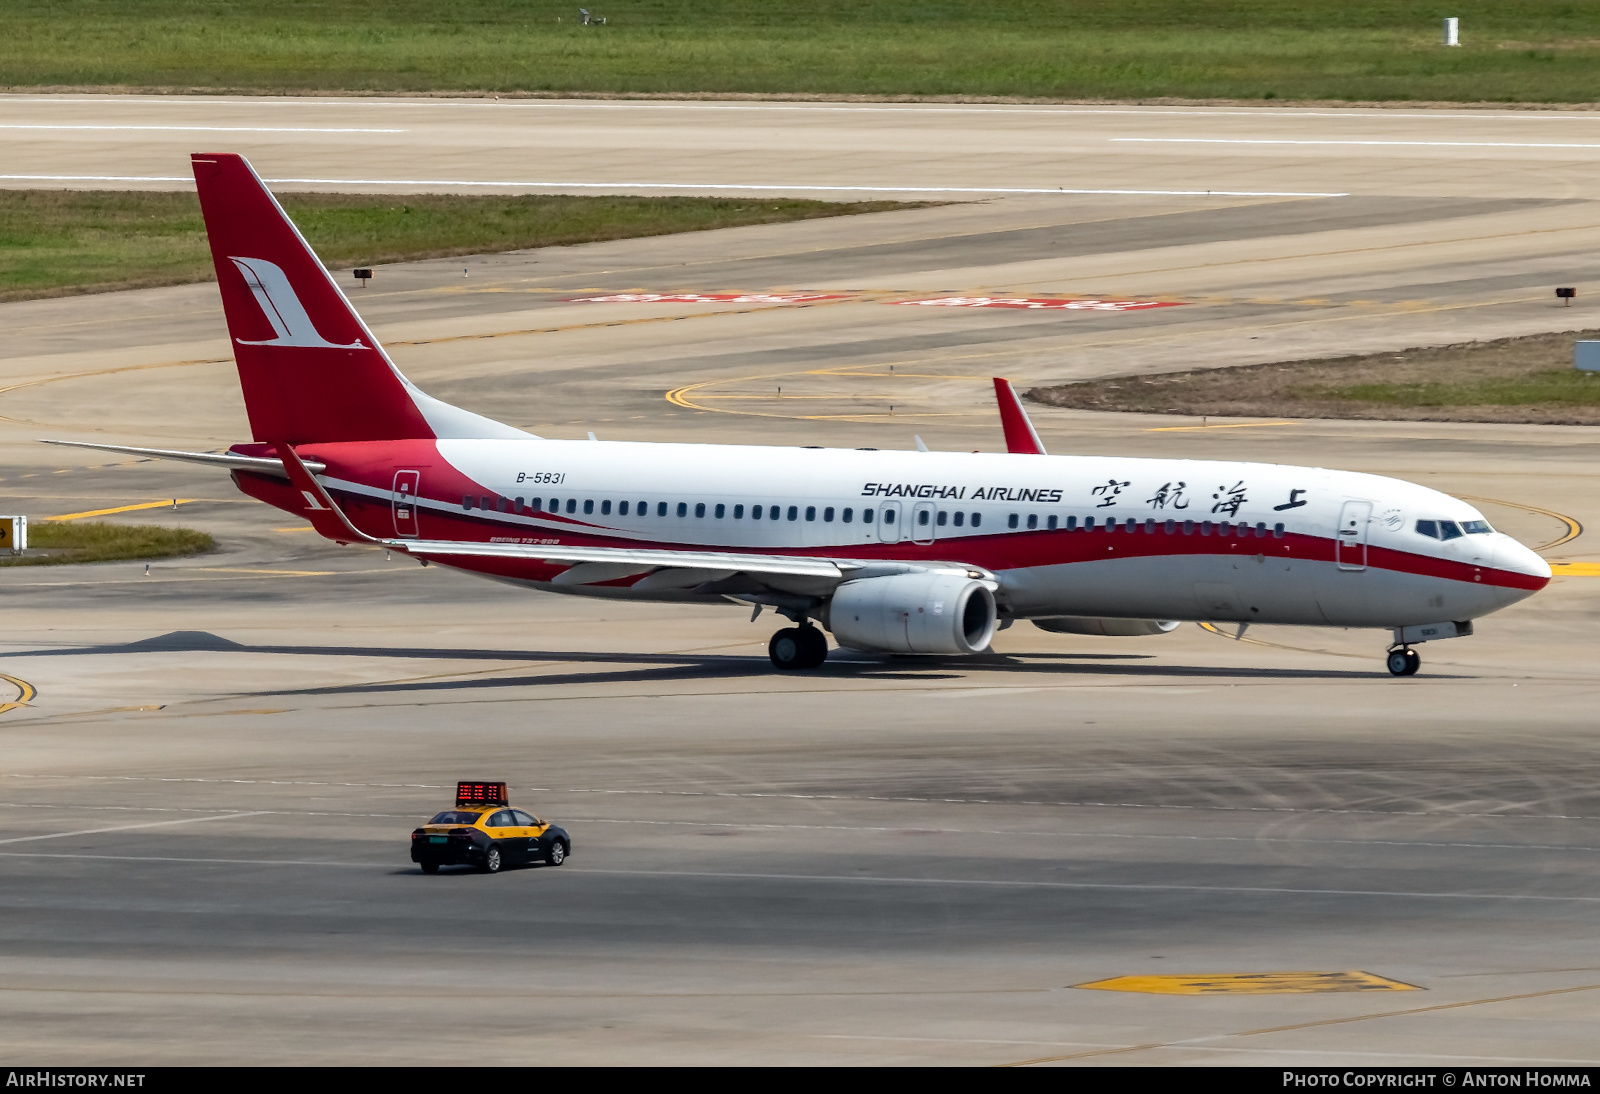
(1108, 628)
(914, 613)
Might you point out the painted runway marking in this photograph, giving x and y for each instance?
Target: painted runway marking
(1575, 569)
(1037, 303)
(706, 298)
(129, 827)
(520, 184)
(1230, 425)
(1379, 144)
(204, 128)
(163, 504)
(25, 693)
(1251, 983)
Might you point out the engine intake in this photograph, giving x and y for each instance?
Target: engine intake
(914, 613)
(1107, 628)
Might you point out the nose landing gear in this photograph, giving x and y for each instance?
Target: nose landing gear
(802, 647)
(1404, 661)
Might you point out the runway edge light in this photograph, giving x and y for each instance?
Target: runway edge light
(14, 534)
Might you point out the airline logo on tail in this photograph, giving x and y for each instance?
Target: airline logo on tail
(282, 308)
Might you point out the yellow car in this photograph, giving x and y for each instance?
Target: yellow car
(484, 831)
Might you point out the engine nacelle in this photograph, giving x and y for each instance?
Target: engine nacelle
(914, 613)
(1106, 628)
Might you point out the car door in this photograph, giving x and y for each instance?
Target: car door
(531, 831)
(502, 828)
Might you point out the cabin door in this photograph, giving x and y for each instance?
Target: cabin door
(406, 485)
(1351, 541)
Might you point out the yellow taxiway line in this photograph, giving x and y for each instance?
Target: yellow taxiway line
(162, 504)
(25, 693)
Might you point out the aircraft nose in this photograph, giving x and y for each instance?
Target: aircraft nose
(1520, 559)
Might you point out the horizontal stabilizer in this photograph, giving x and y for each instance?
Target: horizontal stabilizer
(230, 460)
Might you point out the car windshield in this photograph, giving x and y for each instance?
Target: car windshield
(454, 816)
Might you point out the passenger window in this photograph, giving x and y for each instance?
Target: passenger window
(1170, 527)
(1033, 521)
(977, 519)
(1072, 524)
(811, 512)
(1050, 524)
(1225, 528)
(866, 516)
(501, 820)
(524, 820)
(944, 518)
(1448, 530)
(1188, 527)
(888, 516)
(1150, 526)
(961, 518)
(827, 515)
(535, 503)
(605, 509)
(721, 510)
(1277, 531)
(572, 505)
(700, 509)
(466, 501)
(516, 504)
(738, 512)
(661, 508)
(622, 508)
(1429, 528)
(588, 506)
(1205, 527)
(644, 509)
(922, 517)
(1088, 524)
(794, 512)
(1261, 530)
(683, 508)
(848, 515)
(486, 502)
(772, 512)
(755, 512)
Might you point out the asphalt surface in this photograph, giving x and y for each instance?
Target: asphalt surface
(210, 785)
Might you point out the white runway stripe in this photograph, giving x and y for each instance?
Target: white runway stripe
(1364, 144)
(740, 187)
(128, 827)
(206, 128)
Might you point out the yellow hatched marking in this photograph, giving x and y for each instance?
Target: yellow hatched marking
(1252, 983)
(1575, 569)
(162, 504)
(25, 693)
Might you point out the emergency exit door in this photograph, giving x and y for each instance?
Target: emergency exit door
(1351, 541)
(406, 485)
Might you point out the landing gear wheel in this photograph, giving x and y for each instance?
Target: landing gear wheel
(785, 649)
(492, 860)
(813, 647)
(1404, 662)
(798, 648)
(430, 867)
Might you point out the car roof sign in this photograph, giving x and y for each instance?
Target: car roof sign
(480, 793)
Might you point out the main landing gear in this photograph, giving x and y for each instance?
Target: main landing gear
(802, 647)
(1404, 661)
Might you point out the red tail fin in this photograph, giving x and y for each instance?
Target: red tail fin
(310, 368)
(1020, 436)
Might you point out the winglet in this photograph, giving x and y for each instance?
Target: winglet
(1020, 436)
(321, 510)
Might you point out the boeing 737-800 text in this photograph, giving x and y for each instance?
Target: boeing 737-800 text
(897, 552)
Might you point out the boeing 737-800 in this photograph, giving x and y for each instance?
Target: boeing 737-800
(895, 552)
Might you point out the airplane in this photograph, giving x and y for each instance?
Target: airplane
(894, 552)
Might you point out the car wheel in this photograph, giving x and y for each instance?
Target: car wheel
(492, 860)
(430, 867)
(558, 853)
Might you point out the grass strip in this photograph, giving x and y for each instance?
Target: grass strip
(1369, 50)
(1529, 380)
(60, 242)
(62, 542)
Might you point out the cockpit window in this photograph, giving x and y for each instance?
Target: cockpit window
(1448, 529)
(1476, 527)
(1429, 528)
